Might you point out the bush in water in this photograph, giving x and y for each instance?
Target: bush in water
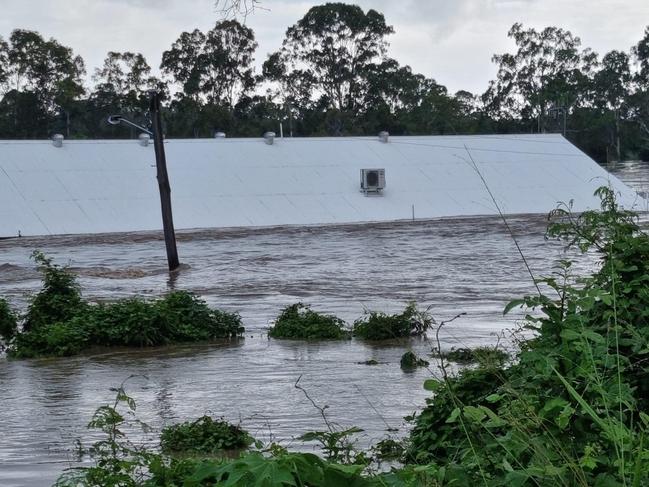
(204, 436)
(380, 326)
(59, 323)
(299, 322)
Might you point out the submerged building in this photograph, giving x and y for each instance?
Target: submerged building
(100, 186)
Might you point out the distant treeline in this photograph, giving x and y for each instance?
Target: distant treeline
(331, 77)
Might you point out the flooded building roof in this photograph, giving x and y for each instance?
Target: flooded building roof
(101, 186)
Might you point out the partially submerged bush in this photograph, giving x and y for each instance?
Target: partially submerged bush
(485, 356)
(8, 322)
(380, 326)
(410, 361)
(59, 323)
(205, 436)
(58, 300)
(299, 322)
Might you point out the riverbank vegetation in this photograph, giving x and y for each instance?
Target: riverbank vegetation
(569, 409)
(58, 322)
(299, 322)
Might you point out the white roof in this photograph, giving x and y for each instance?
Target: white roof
(99, 186)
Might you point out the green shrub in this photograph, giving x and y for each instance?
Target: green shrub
(205, 436)
(8, 322)
(485, 356)
(58, 300)
(59, 323)
(388, 449)
(299, 322)
(571, 409)
(380, 326)
(410, 361)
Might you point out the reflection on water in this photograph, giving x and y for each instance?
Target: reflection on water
(468, 265)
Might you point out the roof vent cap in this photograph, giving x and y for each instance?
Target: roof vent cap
(269, 138)
(144, 139)
(219, 135)
(384, 136)
(57, 140)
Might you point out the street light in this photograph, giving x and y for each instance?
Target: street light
(162, 175)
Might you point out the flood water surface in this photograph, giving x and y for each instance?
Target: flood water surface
(466, 266)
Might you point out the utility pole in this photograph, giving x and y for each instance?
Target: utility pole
(162, 176)
(163, 181)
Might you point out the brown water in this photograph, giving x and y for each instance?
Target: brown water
(468, 265)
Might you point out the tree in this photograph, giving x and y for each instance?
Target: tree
(47, 68)
(216, 66)
(548, 70)
(639, 101)
(611, 90)
(4, 65)
(330, 51)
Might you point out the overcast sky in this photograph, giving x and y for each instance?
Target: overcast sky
(449, 40)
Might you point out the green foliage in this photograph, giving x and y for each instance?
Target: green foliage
(59, 299)
(116, 462)
(410, 361)
(380, 326)
(571, 408)
(205, 436)
(484, 356)
(299, 322)
(59, 323)
(8, 322)
(388, 449)
(337, 446)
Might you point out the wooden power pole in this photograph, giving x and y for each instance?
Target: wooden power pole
(163, 182)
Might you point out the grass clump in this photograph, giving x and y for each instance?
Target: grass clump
(375, 325)
(205, 436)
(59, 323)
(299, 322)
(410, 361)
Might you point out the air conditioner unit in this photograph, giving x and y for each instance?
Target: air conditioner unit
(372, 180)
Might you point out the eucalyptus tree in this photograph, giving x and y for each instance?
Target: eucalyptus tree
(40, 80)
(639, 101)
(330, 53)
(611, 91)
(548, 70)
(215, 66)
(44, 67)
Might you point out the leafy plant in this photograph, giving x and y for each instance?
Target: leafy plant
(59, 323)
(58, 300)
(388, 449)
(380, 326)
(410, 361)
(8, 322)
(299, 322)
(570, 410)
(205, 436)
(482, 355)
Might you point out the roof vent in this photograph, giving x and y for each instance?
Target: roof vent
(372, 181)
(57, 140)
(219, 135)
(269, 138)
(144, 139)
(384, 136)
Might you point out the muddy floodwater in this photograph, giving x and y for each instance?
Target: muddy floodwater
(454, 266)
